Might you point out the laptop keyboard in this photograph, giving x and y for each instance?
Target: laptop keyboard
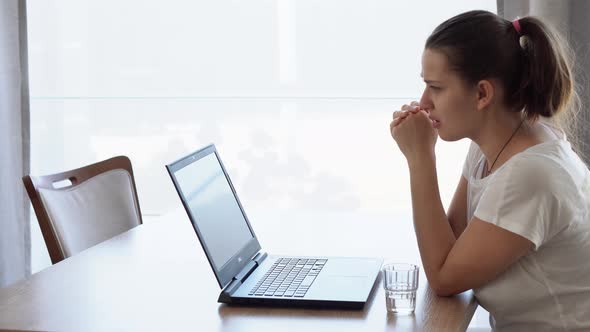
(288, 277)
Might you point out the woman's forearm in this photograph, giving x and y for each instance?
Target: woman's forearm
(433, 232)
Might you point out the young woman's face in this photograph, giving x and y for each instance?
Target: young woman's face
(448, 99)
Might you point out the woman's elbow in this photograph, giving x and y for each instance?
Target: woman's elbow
(448, 287)
(444, 291)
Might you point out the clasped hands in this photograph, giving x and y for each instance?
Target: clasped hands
(413, 131)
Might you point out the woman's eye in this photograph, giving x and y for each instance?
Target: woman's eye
(435, 87)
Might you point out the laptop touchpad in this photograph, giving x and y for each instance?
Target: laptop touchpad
(349, 268)
(353, 288)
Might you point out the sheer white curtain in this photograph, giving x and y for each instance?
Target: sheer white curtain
(570, 17)
(15, 260)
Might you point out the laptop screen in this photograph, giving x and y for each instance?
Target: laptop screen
(214, 209)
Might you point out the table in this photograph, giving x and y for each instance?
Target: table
(156, 277)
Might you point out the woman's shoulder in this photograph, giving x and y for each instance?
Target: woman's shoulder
(549, 164)
(552, 155)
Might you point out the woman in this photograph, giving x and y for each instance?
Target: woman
(517, 231)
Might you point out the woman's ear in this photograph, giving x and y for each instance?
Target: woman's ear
(485, 94)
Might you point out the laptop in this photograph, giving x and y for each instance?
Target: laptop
(247, 274)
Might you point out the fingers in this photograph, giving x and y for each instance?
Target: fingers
(399, 116)
(410, 107)
(413, 109)
(407, 107)
(404, 113)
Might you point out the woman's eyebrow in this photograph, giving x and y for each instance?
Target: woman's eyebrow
(428, 81)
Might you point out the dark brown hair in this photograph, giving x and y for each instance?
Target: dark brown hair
(534, 66)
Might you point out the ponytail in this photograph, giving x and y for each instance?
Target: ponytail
(546, 85)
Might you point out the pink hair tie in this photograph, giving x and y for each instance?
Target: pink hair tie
(516, 25)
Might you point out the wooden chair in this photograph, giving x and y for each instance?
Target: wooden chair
(99, 202)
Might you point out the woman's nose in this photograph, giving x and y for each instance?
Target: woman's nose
(425, 102)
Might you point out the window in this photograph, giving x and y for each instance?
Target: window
(296, 94)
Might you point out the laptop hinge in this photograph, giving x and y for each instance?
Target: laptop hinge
(250, 267)
(259, 257)
(237, 281)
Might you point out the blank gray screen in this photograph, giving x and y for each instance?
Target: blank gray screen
(214, 209)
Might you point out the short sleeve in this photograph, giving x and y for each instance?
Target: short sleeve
(523, 199)
(470, 160)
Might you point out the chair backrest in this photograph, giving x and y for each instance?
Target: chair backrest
(98, 202)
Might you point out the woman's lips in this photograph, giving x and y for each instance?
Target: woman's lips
(435, 123)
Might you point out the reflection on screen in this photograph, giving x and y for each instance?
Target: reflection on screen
(214, 209)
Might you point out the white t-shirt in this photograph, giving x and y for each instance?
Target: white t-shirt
(542, 194)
